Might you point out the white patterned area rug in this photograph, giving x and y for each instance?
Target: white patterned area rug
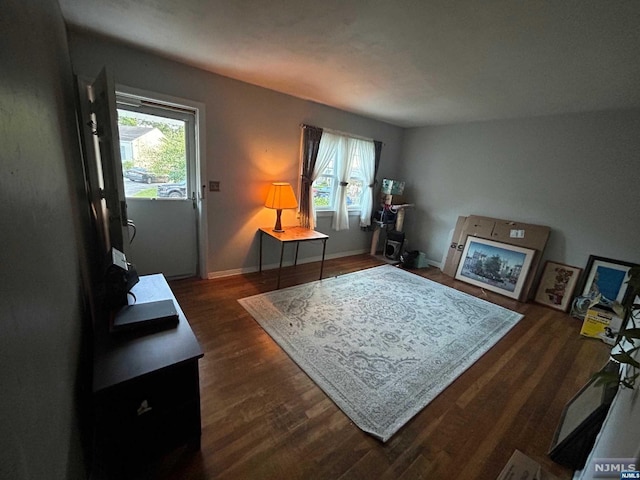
(382, 342)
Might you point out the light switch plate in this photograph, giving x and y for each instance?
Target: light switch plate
(214, 186)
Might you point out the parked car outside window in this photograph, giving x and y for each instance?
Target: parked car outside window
(139, 174)
(172, 190)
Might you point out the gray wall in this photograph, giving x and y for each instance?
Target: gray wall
(577, 173)
(41, 319)
(253, 139)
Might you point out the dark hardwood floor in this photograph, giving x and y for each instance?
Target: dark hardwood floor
(263, 418)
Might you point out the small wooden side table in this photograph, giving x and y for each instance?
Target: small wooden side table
(295, 235)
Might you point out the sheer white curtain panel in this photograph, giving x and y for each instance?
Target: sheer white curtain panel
(347, 152)
(367, 157)
(330, 146)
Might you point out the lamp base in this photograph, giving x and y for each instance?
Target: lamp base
(278, 226)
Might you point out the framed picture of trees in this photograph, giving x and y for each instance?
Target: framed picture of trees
(495, 266)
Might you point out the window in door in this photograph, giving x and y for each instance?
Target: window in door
(154, 146)
(159, 165)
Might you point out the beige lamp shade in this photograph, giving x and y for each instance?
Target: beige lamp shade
(280, 196)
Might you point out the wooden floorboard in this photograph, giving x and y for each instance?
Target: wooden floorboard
(263, 418)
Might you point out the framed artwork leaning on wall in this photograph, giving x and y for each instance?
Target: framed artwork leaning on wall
(605, 282)
(557, 284)
(495, 266)
(606, 277)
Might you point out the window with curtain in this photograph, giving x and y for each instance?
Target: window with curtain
(324, 188)
(344, 180)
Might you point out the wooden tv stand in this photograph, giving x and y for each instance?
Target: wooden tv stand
(146, 392)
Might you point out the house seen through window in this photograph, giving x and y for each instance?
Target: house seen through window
(154, 155)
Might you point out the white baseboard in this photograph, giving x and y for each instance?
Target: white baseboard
(433, 263)
(240, 271)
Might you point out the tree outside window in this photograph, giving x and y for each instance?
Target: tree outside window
(164, 157)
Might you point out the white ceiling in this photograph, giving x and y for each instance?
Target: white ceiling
(406, 62)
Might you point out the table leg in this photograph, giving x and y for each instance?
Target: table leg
(261, 234)
(324, 247)
(280, 267)
(295, 262)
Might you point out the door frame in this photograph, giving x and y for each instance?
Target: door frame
(200, 172)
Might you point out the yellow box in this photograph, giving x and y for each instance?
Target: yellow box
(601, 322)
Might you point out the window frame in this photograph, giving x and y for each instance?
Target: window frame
(353, 209)
(159, 108)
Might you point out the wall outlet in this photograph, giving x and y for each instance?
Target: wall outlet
(214, 186)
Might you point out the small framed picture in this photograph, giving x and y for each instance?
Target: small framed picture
(557, 284)
(606, 277)
(496, 266)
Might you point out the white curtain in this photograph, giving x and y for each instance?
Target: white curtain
(346, 152)
(330, 146)
(367, 157)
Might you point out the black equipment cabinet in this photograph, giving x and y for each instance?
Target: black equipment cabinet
(146, 392)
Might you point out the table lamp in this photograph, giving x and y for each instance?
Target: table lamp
(280, 196)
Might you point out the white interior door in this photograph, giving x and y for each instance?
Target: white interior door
(101, 145)
(158, 153)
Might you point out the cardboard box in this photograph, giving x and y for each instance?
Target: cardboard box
(603, 323)
(505, 231)
(521, 234)
(389, 199)
(474, 226)
(450, 265)
(524, 235)
(392, 187)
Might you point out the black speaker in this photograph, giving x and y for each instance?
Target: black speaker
(119, 278)
(392, 249)
(393, 245)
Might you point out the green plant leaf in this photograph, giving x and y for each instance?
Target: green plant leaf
(627, 384)
(606, 378)
(632, 350)
(629, 381)
(624, 357)
(634, 278)
(631, 333)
